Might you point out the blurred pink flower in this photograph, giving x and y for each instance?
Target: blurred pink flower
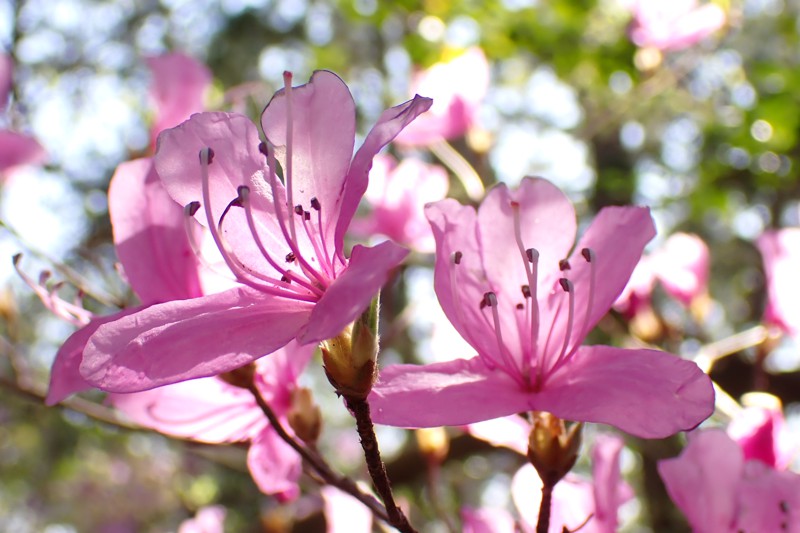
(780, 250)
(344, 513)
(487, 520)
(457, 88)
(397, 195)
(502, 281)
(721, 491)
(6, 79)
(681, 264)
(673, 24)
(760, 431)
(209, 519)
(16, 149)
(294, 280)
(179, 89)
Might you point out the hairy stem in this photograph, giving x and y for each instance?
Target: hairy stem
(543, 524)
(319, 466)
(375, 466)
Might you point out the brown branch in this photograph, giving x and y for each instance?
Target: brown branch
(375, 466)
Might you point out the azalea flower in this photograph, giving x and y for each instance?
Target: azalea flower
(780, 250)
(487, 520)
(457, 87)
(721, 491)
(209, 519)
(344, 513)
(284, 244)
(503, 282)
(16, 149)
(673, 24)
(589, 506)
(760, 431)
(397, 194)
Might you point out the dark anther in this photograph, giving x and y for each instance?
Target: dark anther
(243, 191)
(532, 254)
(587, 254)
(290, 257)
(16, 258)
(285, 279)
(315, 204)
(298, 209)
(520, 306)
(784, 506)
(563, 265)
(307, 215)
(191, 208)
(210, 155)
(526, 291)
(262, 147)
(483, 303)
(457, 258)
(566, 284)
(489, 299)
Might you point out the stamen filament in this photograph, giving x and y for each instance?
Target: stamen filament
(570, 290)
(490, 299)
(313, 241)
(590, 257)
(287, 84)
(530, 260)
(315, 204)
(244, 195)
(454, 262)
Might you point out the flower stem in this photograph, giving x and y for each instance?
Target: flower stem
(377, 471)
(317, 463)
(543, 524)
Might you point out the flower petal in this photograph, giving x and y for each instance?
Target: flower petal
(65, 378)
(275, 466)
(187, 339)
(647, 393)
(324, 128)
(178, 89)
(703, 480)
(391, 122)
(17, 150)
(344, 513)
(350, 295)
(610, 490)
(150, 235)
(453, 393)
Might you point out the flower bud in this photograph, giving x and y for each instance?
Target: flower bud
(240, 377)
(552, 448)
(304, 416)
(433, 443)
(351, 357)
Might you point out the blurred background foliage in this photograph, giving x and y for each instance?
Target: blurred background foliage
(706, 136)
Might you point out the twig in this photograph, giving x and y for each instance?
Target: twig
(461, 168)
(375, 466)
(543, 523)
(316, 462)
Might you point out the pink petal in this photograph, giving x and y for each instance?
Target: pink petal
(391, 122)
(205, 409)
(344, 513)
(509, 432)
(6, 79)
(349, 296)
(278, 374)
(150, 235)
(275, 466)
(610, 491)
(207, 520)
(682, 265)
(572, 503)
(17, 150)
(457, 88)
(617, 236)
(460, 288)
(237, 161)
(781, 253)
(65, 377)
(324, 124)
(768, 500)
(704, 479)
(453, 393)
(487, 520)
(188, 339)
(647, 393)
(179, 87)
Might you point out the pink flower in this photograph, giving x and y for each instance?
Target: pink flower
(760, 431)
(503, 284)
(487, 520)
(673, 24)
(720, 491)
(179, 89)
(207, 520)
(284, 245)
(6, 79)
(397, 195)
(681, 264)
(780, 250)
(16, 150)
(579, 504)
(457, 87)
(344, 513)
(211, 410)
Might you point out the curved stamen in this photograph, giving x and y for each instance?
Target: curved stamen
(244, 197)
(570, 290)
(287, 84)
(206, 157)
(312, 239)
(307, 269)
(530, 260)
(490, 300)
(455, 261)
(590, 257)
(317, 206)
(189, 211)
